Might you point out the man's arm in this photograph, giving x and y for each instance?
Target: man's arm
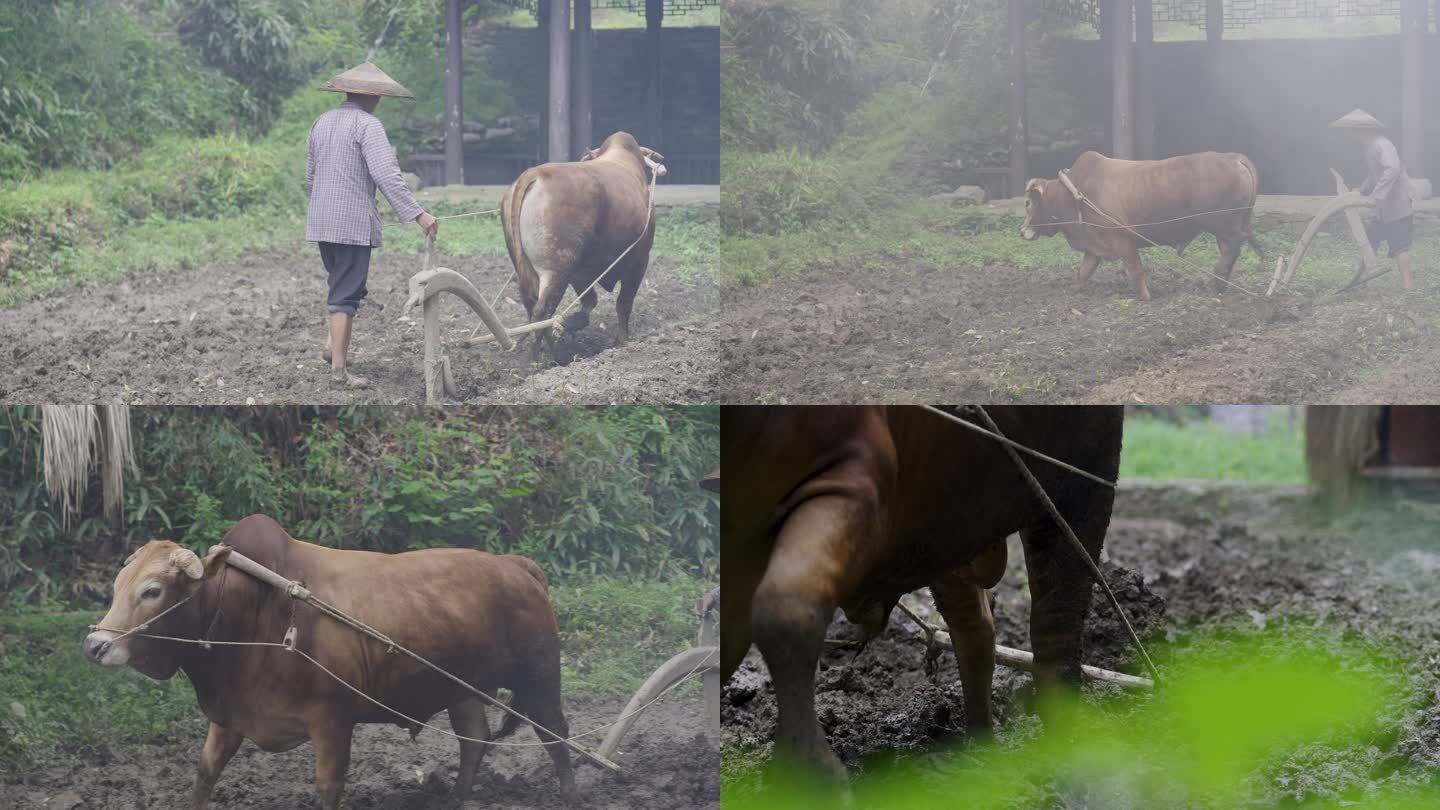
(310, 162)
(385, 171)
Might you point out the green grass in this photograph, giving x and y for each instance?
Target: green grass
(56, 707)
(153, 245)
(1161, 450)
(1236, 725)
(157, 243)
(919, 234)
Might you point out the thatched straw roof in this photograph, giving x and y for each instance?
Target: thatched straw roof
(1339, 441)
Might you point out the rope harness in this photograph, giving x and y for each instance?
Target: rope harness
(1070, 186)
(297, 592)
(993, 431)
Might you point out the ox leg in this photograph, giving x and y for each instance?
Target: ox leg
(624, 305)
(1229, 254)
(547, 712)
(220, 745)
(1087, 268)
(966, 609)
(792, 606)
(1060, 587)
(468, 719)
(550, 298)
(1136, 269)
(579, 319)
(332, 761)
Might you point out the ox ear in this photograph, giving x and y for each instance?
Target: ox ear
(1035, 184)
(589, 154)
(133, 555)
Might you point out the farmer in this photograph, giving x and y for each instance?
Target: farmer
(349, 156)
(1387, 186)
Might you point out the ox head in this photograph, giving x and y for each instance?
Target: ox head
(624, 142)
(155, 578)
(1047, 202)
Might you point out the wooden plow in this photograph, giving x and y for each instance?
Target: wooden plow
(1345, 200)
(703, 658)
(426, 287)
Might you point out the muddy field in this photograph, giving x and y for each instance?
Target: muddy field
(997, 333)
(252, 330)
(1178, 559)
(667, 762)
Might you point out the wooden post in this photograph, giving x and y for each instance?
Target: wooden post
(654, 16)
(542, 34)
(1214, 21)
(1122, 72)
(1019, 130)
(1413, 23)
(583, 121)
(1145, 145)
(454, 101)
(559, 38)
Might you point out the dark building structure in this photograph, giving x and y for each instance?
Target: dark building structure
(660, 84)
(1268, 98)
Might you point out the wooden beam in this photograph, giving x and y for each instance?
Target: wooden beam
(584, 121)
(559, 105)
(1019, 125)
(654, 17)
(1413, 22)
(454, 100)
(1122, 73)
(1145, 146)
(1214, 21)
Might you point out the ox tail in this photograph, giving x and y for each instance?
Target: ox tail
(511, 723)
(531, 568)
(525, 276)
(1254, 176)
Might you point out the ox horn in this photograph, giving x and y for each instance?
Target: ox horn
(185, 560)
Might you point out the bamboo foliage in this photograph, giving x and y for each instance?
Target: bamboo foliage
(77, 439)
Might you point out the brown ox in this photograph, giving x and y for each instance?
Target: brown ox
(566, 222)
(483, 617)
(1160, 198)
(852, 507)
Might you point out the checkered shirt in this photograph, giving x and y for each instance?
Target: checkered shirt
(349, 156)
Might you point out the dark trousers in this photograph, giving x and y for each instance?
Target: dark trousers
(349, 267)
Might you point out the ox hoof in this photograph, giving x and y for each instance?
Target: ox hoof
(576, 321)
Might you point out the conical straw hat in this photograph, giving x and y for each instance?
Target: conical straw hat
(368, 80)
(711, 481)
(1357, 119)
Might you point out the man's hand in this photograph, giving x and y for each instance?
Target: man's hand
(706, 603)
(429, 224)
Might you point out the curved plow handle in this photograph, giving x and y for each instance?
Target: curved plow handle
(670, 672)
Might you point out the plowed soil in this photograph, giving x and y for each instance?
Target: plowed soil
(666, 760)
(1178, 558)
(999, 334)
(251, 331)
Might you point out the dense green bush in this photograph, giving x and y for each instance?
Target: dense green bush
(603, 491)
(84, 84)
